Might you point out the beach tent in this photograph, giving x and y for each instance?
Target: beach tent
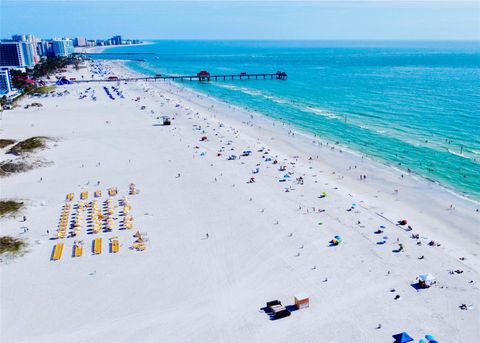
(402, 337)
(426, 277)
(63, 81)
(425, 280)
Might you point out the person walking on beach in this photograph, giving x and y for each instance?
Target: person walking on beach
(206, 235)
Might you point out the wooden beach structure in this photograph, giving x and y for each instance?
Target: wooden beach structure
(202, 76)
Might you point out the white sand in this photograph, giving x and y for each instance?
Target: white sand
(186, 288)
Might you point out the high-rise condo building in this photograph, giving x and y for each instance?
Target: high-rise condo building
(5, 81)
(80, 41)
(62, 47)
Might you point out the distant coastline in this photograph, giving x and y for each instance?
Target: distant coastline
(102, 48)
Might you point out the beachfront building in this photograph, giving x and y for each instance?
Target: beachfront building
(62, 47)
(80, 41)
(6, 87)
(29, 46)
(29, 54)
(116, 40)
(11, 55)
(17, 54)
(19, 38)
(45, 48)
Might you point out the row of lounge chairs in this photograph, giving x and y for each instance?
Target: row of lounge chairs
(78, 249)
(77, 226)
(98, 193)
(109, 215)
(63, 225)
(97, 247)
(57, 251)
(128, 219)
(97, 217)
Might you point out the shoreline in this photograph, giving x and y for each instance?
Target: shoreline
(100, 49)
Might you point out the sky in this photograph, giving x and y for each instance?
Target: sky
(247, 19)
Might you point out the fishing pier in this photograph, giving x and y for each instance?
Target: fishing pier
(202, 76)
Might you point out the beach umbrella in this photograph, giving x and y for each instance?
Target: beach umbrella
(422, 341)
(430, 337)
(427, 277)
(402, 337)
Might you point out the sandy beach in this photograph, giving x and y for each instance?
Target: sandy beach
(234, 210)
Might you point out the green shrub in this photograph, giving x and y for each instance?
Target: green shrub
(28, 145)
(10, 244)
(9, 207)
(6, 142)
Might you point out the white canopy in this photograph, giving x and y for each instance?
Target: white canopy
(426, 277)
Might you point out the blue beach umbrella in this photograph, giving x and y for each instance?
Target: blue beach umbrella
(402, 337)
(422, 341)
(430, 337)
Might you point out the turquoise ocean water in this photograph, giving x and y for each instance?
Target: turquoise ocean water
(415, 105)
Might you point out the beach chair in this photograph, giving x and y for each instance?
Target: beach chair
(78, 249)
(98, 193)
(84, 195)
(57, 251)
(139, 246)
(97, 246)
(115, 245)
(70, 196)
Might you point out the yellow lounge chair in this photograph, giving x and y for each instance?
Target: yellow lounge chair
(97, 246)
(57, 251)
(84, 195)
(78, 250)
(98, 193)
(115, 246)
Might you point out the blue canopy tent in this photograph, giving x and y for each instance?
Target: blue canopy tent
(63, 81)
(402, 337)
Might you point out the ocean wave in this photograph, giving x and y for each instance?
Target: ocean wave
(254, 92)
(317, 110)
(457, 154)
(298, 106)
